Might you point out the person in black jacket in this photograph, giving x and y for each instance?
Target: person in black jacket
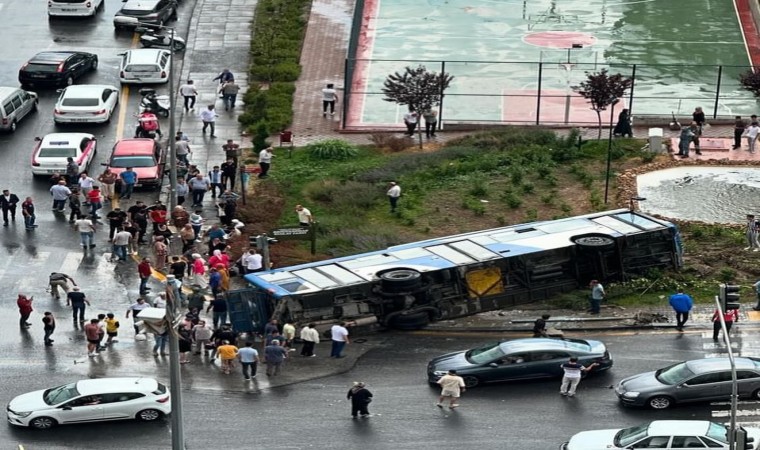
(360, 398)
(8, 203)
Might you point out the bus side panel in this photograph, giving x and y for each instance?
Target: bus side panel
(249, 310)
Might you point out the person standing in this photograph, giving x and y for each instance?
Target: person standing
(698, 117)
(208, 117)
(59, 280)
(253, 262)
(751, 233)
(120, 244)
(229, 172)
(219, 307)
(410, 120)
(684, 141)
(573, 372)
(274, 355)
(112, 328)
(91, 332)
(48, 321)
(329, 98)
(623, 126)
(431, 122)
(730, 316)
(249, 359)
(310, 338)
(739, 126)
(60, 194)
(182, 148)
(215, 181)
(27, 210)
(72, 171)
(189, 93)
(681, 304)
(25, 309)
(224, 76)
(8, 202)
(78, 302)
(144, 270)
(339, 336)
(86, 232)
(394, 192)
(597, 295)
(360, 398)
(198, 186)
(116, 218)
(202, 337)
(539, 326)
(128, 180)
(85, 184)
(452, 387)
(160, 342)
(230, 91)
(227, 354)
(182, 191)
(305, 218)
(75, 205)
(107, 180)
(289, 333)
(96, 202)
(160, 251)
(265, 161)
(135, 309)
(751, 134)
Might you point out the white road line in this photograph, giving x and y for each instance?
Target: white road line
(739, 413)
(740, 402)
(71, 263)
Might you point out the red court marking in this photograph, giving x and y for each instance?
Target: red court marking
(750, 30)
(559, 39)
(519, 106)
(361, 66)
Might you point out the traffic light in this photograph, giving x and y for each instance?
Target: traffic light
(743, 442)
(729, 296)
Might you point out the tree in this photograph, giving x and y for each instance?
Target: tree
(602, 90)
(750, 81)
(417, 88)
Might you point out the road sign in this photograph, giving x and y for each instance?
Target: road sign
(292, 233)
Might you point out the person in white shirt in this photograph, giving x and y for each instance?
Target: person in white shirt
(339, 339)
(410, 120)
(265, 161)
(305, 218)
(120, 244)
(86, 231)
(252, 262)
(452, 386)
(182, 147)
(208, 117)
(310, 338)
(329, 97)
(85, 184)
(188, 92)
(394, 192)
(751, 134)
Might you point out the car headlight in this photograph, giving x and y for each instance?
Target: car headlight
(439, 373)
(23, 413)
(631, 394)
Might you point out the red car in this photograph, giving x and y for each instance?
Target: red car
(144, 156)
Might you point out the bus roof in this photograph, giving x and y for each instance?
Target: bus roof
(451, 251)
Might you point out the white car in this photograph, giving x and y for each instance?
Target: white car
(51, 153)
(93, 400)
(86, 103)
(672, 434)
(73, 8)
(145, 66)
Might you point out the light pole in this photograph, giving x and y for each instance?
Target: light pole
(613, 102)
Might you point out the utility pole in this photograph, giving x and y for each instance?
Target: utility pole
(172, 108)
(175, 378)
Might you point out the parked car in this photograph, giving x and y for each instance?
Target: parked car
(673, 434)
(56, 68)
(15, 104)
(151, 12)
(144, 156)
(51, 152)
(698, 380)
(86, 103)
(74, 8)
(145, 66)
(92, 400)
(518, 359)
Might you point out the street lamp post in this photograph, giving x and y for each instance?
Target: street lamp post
(613, 102)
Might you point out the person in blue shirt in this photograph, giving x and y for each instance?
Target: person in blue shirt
(681, 304)
(128, 179)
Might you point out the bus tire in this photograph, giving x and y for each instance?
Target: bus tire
(413, 321)
(400, 280)
(594, 241)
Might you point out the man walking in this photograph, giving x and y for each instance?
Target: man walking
(86, 232)
(573, 371)
(208, 117)
(730, 316)
(681, 304)
(120, 244)
(198, 186)
(310, 338)
(27, 210)
(144, 270)
(60, 194)
(182, 148)
(410, 120)
(431, 122)
(274, 355)
(92, 333)
(135, 309)
(72, 171)
(339, 335)
(265, 161)
(77, 300)
(249, 359)
(739, 126)
(229, 172)
(215, 181)
(230, 91)
(24, 309)
(48, 321)
(188, 92)
(128, 179)
(452, 386)
(305, 219)
(329, 97)
(59, 280)
(597, 295)
(8, 204)
(394, 192)
(751, 233)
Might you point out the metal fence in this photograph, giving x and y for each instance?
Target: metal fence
(542, 93)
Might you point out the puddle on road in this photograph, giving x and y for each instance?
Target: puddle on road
(708, 194)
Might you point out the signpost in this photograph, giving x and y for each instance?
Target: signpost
(297, 234)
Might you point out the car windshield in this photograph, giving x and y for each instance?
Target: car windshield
(675, 374)
(60, 394)
(717, 432)
(132, 161)
(628, 436)
(484, 354)
(57, 152)
(38, 67)
(142, 68)
(73, 101)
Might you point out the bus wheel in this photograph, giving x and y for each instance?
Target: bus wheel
(594, 241)
(413, 321)
(400, 280)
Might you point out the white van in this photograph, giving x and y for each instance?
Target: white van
(73, 8)
(15, 104)
(144, 66)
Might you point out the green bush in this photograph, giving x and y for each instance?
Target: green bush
(478, 186)
(512, 200)
(528, 188)
(260, 136)
(331, 149)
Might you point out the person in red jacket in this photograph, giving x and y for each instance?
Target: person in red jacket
(24, 309)
(145, 271)
(730, 316)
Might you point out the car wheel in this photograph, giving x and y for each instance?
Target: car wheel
(594, 241)
(149, 415)
(13, 127)
(69, 81)
(34, 106)
(42, 423)
(164, 113)
(470, 381)
(413, 321)
(400, 280)
(660, 402)
(94, 65)
(756, 395)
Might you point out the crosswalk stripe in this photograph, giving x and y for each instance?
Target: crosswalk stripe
(71, 263)
(739, 413)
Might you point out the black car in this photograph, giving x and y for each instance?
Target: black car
(151, 12)
(56, 68)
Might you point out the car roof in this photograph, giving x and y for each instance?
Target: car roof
(54, 57)
(711, 364)
(57, 139)
(134, 146)
(534, 344)
(5, 90)
(88, 89)
(140, 4)
(116, 385)
(681, 427)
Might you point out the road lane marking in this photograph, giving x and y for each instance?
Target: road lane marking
(71, 262)
(124, 98)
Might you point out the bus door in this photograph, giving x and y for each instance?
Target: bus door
(249, 310)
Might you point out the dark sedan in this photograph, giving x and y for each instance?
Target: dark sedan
(56, 68)
(519, 359)
(699, 380)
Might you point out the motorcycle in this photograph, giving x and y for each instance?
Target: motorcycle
(158, 104)
(153, 39)
(147, 125)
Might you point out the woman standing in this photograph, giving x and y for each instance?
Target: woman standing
(199, 271)
(187, 235)
(185, 345)
(161, 251)
(225, 283)
(360, 398)
(107, 180)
